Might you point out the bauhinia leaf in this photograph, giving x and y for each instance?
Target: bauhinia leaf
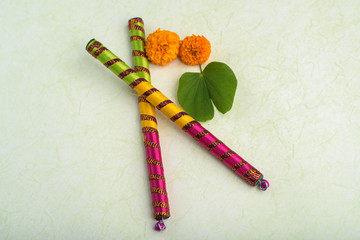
(194, 97)
(221, 84)
(217, 83)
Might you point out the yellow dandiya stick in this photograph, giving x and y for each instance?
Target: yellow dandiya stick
(159, 196)
(250, 174)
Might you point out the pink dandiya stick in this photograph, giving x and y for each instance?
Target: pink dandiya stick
(160, 201)
(241, 167)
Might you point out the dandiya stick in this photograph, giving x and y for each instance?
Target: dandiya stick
(247, 172)
(160, 201)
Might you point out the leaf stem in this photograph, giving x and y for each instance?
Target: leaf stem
(200, 69)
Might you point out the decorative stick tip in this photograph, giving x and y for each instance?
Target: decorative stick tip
(160, 226)
(264, 184)
(88, 44)
(136, 20)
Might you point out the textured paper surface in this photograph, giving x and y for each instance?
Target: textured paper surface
(71, 156)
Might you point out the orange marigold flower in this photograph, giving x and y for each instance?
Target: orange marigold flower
(162, 47)
(195, 50)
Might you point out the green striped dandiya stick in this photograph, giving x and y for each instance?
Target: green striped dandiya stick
(159, 196)
(227, 156)
(137, 39)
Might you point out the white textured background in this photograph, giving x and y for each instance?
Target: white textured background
(71, 157)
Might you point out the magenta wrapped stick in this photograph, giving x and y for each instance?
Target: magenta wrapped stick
(159, 196)
(231, 159)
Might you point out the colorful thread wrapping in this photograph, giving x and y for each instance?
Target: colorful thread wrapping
(160, 201)
(250, 174)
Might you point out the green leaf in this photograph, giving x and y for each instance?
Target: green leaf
(221, 84)
(194, 97)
